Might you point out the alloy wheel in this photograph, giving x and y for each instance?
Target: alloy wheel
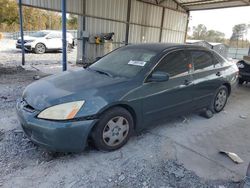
(220, 100)
(115, 131)
(40, 48)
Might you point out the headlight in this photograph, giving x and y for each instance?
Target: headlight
(62, 111)
(240, 65)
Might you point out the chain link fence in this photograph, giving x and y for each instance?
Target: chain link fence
(15, 35)
(237, 53)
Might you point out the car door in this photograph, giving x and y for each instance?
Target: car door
(54, 41)
(206, 77)
(164, 99)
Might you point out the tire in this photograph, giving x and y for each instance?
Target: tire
(40, 48)
(113, 129)
(220, 99)
(241, 81)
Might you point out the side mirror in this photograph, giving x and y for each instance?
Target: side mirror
(159, 76)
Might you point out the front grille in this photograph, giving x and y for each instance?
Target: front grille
(20, 41)
(246, 67)
(27, 107)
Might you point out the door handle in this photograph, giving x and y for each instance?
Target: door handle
(187, 82)
(218, 74)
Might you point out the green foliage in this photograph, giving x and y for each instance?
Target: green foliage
(215, 36)
(33, 18)
(72, 22)
(8, 15)
(239, 31)
(200, 32)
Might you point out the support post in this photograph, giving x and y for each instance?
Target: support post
(162, 22)
(21, 31)
(128, 21)
(186, 36)
(84, 59)
(64, 36)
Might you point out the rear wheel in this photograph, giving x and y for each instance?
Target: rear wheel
(220, 99)
(113, 129)
(40, 48)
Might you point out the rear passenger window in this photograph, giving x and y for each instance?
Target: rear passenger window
(202, 60)
(219, 61)
(174, 64)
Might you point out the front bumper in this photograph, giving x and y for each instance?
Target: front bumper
(26, 47)
(60, 136)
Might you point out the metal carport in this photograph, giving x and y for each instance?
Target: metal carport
(132, 21)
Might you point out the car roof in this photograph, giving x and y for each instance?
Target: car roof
(159, 47)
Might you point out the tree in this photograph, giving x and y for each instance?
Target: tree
(33, 18)
(199, 32)
(53, 20)
(215, 36)
(8, 15)
(239, 31)
(72, 22)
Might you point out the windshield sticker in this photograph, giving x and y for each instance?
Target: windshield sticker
(137, 63)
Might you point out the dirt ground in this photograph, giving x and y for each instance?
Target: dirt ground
(181, 153)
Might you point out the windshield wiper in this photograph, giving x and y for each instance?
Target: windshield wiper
(100, 72)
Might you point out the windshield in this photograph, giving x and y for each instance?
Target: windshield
(39, 34)
(124, 62)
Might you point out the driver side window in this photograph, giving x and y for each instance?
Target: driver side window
(174, 64)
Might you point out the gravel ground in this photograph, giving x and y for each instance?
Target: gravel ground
(155, 158)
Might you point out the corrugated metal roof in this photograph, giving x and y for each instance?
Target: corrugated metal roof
(76, 6)
(211, 4)
(73, 6)
(190, 5)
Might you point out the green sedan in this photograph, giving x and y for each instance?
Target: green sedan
(122, 93)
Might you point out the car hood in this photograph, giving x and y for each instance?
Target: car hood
(73, 86)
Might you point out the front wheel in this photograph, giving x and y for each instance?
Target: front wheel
(220, 99)
(113, 129)
(40, 48)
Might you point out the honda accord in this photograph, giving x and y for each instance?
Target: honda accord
(124, 92)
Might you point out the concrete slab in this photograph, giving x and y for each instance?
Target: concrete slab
(199, 140)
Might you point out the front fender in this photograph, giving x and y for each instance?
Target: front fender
(97, 107)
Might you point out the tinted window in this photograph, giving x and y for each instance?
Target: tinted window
(174, 64)
(39, 34)
(202, 59)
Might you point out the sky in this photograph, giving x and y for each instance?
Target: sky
(221, 19)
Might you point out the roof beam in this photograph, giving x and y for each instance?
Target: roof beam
(178, 4)
(246, 1)
(161, 1)
(201, 2)
(213, 8)
(160, 5)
